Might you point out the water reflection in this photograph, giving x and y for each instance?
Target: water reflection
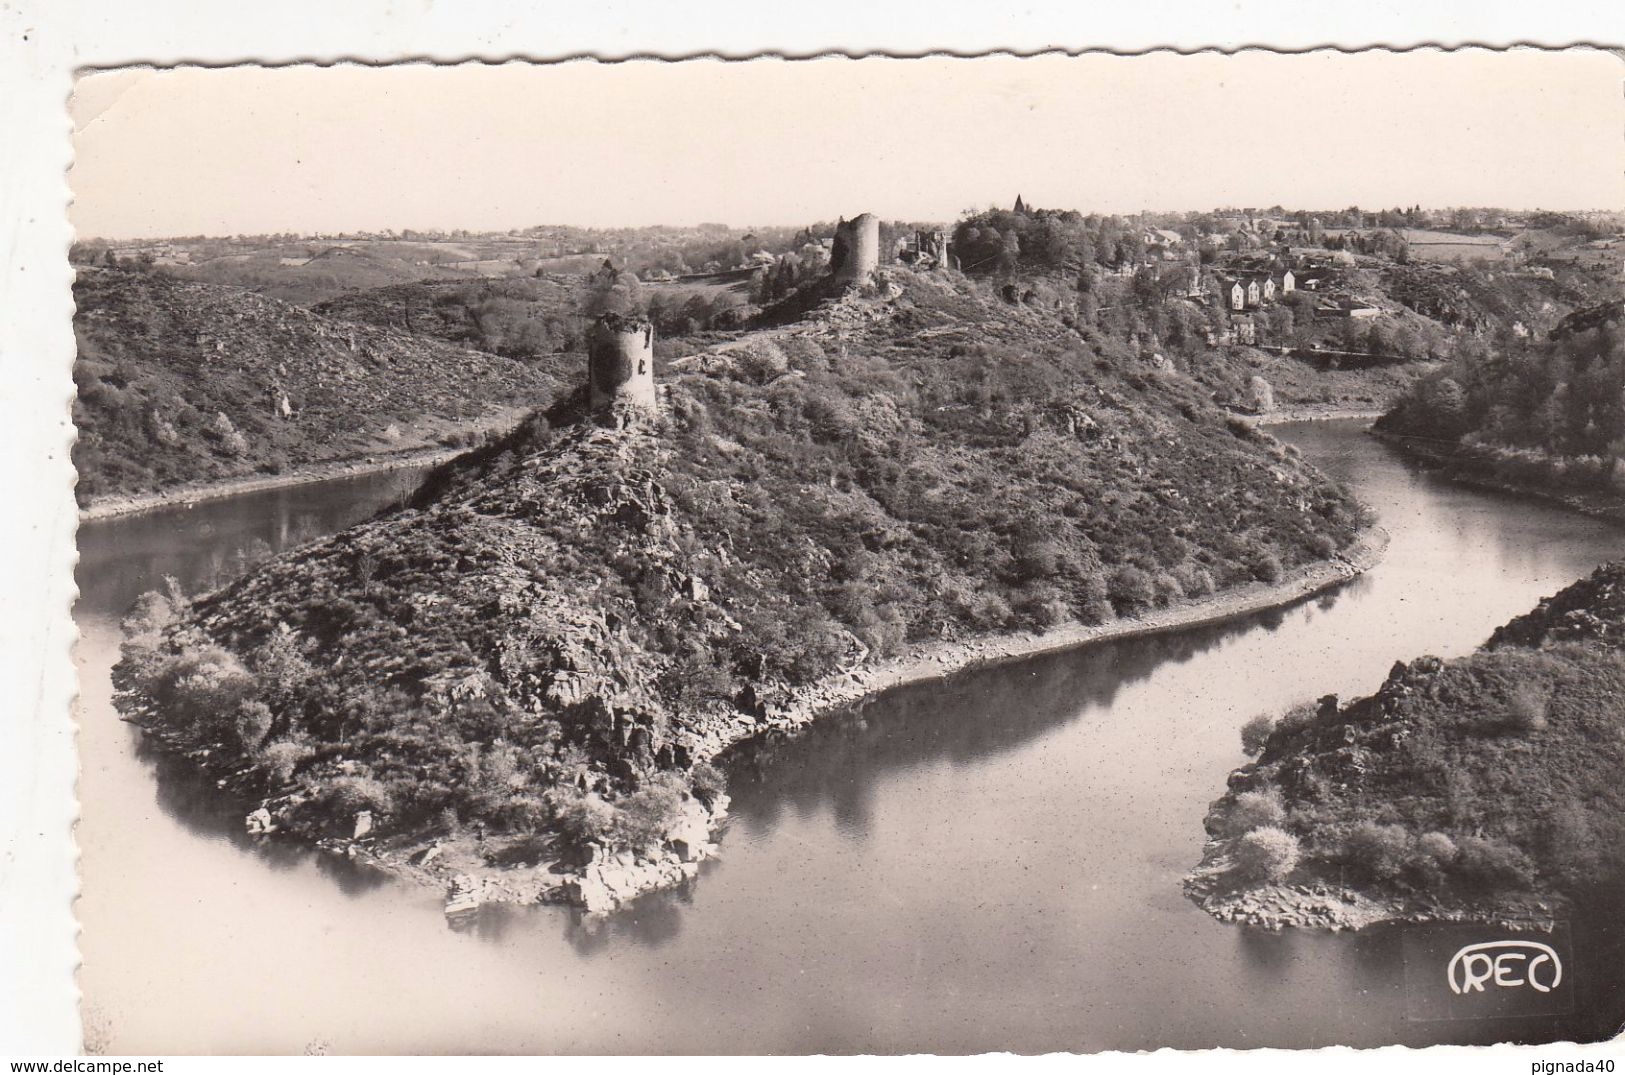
(963, 718)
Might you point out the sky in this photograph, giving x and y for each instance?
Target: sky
(772, 142)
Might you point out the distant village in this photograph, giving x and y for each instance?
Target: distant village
(1239, 266)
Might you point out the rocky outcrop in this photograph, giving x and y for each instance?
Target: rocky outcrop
(612, 878)
(1451, 793)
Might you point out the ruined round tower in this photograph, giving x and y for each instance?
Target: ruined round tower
(621, 363)
(856, 250)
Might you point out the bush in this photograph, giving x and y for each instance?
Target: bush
(1130, 588)
(1195, 580)
(281, 758)
(345, 796)
(199, 692)
(1379, 851)
(251, 725)
(1254, 810)
(1037, 559)
(647, 813)
(1297, 718)
(708, 782)
(587, 819)
(1488, 863)
(1526, 710)
(1431, 858)
(1256, 733)
(1436, 848)
(1266, 854)
(1265, 566)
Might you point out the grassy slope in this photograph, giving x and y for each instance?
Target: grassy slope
(581, 611)
(160, 360)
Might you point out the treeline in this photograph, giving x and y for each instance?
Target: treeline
(1558, 401)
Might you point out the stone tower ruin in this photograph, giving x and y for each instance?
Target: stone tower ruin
(621, 363)
(856, 250)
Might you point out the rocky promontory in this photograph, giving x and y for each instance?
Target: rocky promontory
(1486, 788)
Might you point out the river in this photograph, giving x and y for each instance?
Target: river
(987, 863)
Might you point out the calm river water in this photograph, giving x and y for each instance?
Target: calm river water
(992, 862)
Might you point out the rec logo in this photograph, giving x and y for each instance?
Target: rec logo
(1463, 971)
(1504, 964)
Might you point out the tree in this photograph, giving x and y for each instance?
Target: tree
(1256, 733)
(1266, 854)
(1381, 851)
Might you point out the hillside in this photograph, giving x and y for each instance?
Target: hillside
(1545, 416)
(183, 383)
(536, 316)
(547, 646)
(520, 317)
(307, 276)
(1491, 787)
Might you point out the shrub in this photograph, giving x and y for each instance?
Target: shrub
(1256, 733)
(144, 625)
(989, 610)
(1435, 848)
(1526, 710)
(1167, 588)
(647, 813)
(251, 724)
(1488, 863)
(199, 691)
(1096, 610)
(1430, 859)
(1265, 566)
(1195, 580)
(708, 782)
(1321, 546)
(1266, 854)
(1037, 559)
(1040, 605)
(281, 758)
(586, 819)
(1255, 810)
(1297, 718)
(345, 796)
(1380, 851)
(1130, 588)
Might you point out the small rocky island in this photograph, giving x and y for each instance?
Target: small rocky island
(1489, 788)
(515, 686)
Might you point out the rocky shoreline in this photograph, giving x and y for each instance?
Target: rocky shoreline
(1313, 412)
(1328, 905)
(941, 660)
(459, 866)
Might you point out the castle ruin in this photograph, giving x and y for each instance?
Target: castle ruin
(856, 250)
(621, 363)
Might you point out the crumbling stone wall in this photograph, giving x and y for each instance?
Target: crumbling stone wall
(621, 363)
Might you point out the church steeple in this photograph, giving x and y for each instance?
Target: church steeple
(1021, 206)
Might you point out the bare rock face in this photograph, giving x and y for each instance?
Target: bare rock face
(259, 823)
